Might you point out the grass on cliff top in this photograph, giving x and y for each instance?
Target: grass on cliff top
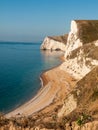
(62, 38)
(87, 30)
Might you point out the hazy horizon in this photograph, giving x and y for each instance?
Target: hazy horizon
(9, 41)
(31, 21)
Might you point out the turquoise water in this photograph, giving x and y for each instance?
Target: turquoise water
(21, 65)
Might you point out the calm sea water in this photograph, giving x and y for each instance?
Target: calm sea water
(20, 67)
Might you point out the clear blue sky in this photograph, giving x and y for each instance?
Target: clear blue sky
(32, 20)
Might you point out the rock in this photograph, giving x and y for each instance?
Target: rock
(70, 104)
(56, 43)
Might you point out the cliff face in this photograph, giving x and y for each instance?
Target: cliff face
(81, 49)
(54, 43)
(82, 32)
(73, 40)
(81, 60)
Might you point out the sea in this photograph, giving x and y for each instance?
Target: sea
(21, 65)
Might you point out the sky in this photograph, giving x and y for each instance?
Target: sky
(32, 20)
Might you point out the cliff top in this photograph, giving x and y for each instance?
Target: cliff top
(87, 30)
(62, 38)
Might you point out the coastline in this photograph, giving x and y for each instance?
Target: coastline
(55, 85)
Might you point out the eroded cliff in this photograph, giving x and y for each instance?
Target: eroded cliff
(55, 43)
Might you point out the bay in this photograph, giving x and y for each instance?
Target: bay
(21, 65)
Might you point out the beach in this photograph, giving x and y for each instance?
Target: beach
(56, 84)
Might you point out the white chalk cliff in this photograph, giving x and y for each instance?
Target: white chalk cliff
(80, 50)
(54, 43)
(73, 40)
(81, 41)
(82, 32)
(81, 60)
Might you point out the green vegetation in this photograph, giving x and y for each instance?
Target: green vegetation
(83, 119)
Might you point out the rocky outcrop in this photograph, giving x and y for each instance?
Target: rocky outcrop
(82, 32)
(70, 104)
(54, 43)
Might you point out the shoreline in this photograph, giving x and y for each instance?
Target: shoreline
(42, 83)
(52, 88)
(18, 111)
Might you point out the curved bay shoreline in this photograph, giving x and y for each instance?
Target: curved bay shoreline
(55, 86)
